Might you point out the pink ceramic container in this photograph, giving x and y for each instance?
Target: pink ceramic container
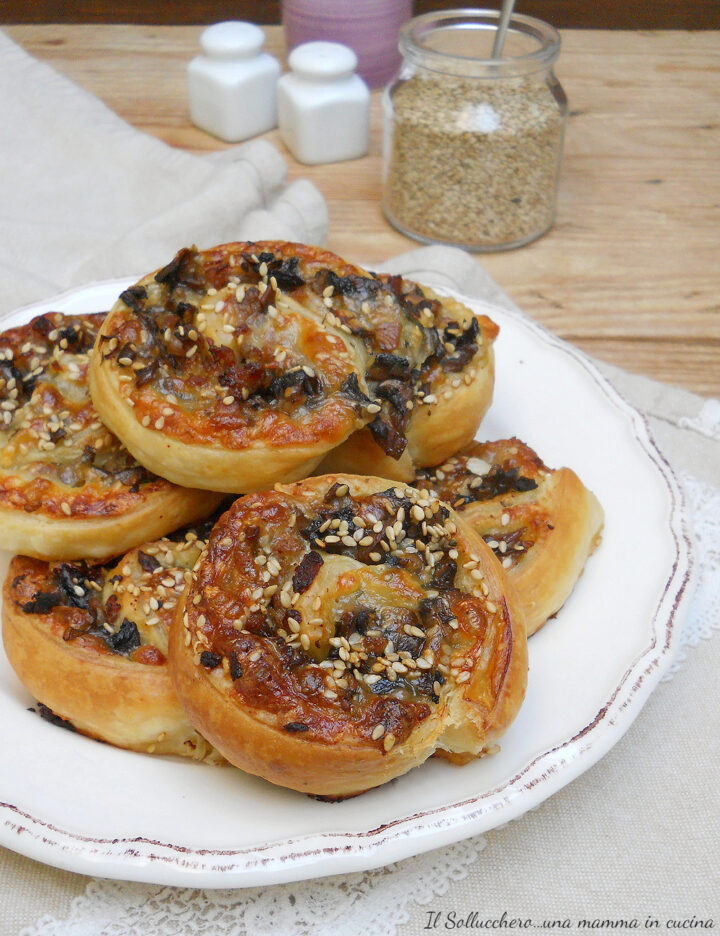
(369, 27)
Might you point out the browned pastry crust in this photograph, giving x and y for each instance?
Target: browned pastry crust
(337, 632)
(541, 523)
(246, 364)
(90, 643)
(68, 488)
(432, 367)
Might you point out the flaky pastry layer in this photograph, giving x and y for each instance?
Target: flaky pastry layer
(90, 643)
(541, 523)
(337, 632)
(68, 487)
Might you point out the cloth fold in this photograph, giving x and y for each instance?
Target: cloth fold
(87, 197)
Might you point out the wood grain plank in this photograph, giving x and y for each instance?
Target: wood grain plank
(631, 270)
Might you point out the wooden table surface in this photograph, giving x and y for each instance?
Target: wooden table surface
(631, 270)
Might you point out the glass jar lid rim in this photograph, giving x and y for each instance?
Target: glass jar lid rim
(415, 29)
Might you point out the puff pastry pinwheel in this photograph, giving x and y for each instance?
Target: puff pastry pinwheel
(90, 643)
(243, 365)
(211, 378)
(541, 523)
(68, 488)
(430, 369)
(336, 632)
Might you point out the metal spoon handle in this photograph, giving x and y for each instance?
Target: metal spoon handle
(503, 23)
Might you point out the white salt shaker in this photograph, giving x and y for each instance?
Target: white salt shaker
(323, 106)
(232, 87)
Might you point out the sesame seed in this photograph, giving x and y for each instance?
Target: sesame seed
(378, 732)
(342, 490)
(65, 507)
(389, 741)
(159, 423)
(228, 400)
(463, 677)
(255, 656)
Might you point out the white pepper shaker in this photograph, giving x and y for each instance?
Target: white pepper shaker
(232, 86)
(323, 106)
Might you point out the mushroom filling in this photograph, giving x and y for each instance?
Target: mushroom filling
(124, 606)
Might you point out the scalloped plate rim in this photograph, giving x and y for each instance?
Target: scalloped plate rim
(321, 854)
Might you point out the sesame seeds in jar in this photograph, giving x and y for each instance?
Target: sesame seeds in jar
(473, 145)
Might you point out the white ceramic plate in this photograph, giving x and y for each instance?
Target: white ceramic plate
(72, 802)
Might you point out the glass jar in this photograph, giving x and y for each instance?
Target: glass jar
(472, 144)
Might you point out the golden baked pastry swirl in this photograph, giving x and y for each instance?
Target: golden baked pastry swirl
(68, 487)
(90, 643)
(542, 524)
(212, 378)
(430, 368)
(338, 631)
(236, 367)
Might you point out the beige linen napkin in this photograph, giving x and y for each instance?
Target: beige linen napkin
(86, 197)
(635, 836)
